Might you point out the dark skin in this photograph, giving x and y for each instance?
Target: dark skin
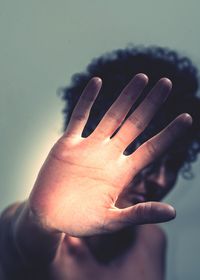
(82, 188)
(150, 185)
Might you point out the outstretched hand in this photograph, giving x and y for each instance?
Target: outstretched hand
(82, 178)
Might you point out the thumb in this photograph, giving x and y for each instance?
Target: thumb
(141, 213)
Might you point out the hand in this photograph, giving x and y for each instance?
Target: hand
(81, 179)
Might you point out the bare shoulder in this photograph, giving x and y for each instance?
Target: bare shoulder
(153, 236)
(9, 210)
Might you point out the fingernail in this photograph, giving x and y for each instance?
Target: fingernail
(172, 211)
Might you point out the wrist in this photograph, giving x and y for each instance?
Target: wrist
(30, 216)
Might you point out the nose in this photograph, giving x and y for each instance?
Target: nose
(155, 191)
(158, 177)
(155, 172)
(153, 182)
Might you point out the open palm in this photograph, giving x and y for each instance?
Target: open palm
(82, 178)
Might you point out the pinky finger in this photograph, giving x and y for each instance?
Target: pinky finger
(160, 143)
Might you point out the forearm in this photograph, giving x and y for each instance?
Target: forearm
(25, 244)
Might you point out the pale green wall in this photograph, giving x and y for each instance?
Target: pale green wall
(42, 43)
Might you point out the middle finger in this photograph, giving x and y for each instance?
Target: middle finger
(141, 117)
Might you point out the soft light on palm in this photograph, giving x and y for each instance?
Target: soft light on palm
(80, 181)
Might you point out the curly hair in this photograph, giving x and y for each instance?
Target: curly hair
(117, 68)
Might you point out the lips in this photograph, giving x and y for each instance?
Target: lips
(144, 197)
(138, 198)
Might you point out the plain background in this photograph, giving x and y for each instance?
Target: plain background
(42, 43)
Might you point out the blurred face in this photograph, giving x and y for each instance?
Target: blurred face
(152, 184)
(155, 181)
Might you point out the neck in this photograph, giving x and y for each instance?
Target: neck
(108, 247)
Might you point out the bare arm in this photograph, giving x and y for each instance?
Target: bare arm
(26, 247)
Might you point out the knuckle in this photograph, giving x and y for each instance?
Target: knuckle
(139, 211)
(172, 131)
(87, 98)
(153, 100)
(115, 116)
(143, 211)
(137, 122)
(79, 117)
(151, 148)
